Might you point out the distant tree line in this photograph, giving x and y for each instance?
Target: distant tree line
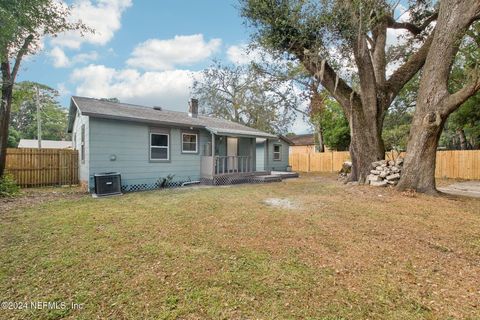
(23, 117)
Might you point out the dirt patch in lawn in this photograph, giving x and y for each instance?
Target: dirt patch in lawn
(35, 196)
(281, 203)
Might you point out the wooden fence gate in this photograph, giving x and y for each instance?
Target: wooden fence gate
(43, 167)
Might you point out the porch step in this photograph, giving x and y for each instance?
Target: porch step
(267, 178)
(285, 174)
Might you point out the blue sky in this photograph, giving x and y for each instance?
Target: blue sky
(144, 52)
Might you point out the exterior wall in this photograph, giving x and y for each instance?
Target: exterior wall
(84, 169)
(277, 165)
(128, 143)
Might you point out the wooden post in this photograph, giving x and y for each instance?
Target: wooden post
(214, 162)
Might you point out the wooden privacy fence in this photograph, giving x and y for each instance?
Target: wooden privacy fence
(462, 164)
(43, 167)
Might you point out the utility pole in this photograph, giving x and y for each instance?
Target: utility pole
(39, 119)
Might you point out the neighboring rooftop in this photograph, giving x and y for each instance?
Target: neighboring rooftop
(302, 139)
(122, 111)
(47, 144)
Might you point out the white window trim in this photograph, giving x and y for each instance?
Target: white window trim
(279, 152)
(160, 147)
(196, 142)
(82, 143)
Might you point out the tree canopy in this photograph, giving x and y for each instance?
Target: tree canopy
(23, 120)
(343, 44)
(244, 95)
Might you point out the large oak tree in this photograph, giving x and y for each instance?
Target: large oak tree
(343, 44)
(435, 102)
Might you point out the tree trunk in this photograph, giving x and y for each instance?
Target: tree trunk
(434, 102)
(419, 164)
(366, 145)
(319, 132)
(462, 139)
(5, 106)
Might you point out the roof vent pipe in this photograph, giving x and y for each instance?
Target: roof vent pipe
(193, 108)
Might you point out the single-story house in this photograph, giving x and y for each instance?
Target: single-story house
(47, 144)
(147, 145)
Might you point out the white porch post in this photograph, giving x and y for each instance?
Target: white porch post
(214, 161)
(253, 154)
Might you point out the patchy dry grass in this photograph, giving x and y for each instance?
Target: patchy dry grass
(344, 252)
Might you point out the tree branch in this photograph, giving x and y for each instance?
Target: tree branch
(456, 99)
(23, 50)
(416, 30)
(342, 91)
(403, 74)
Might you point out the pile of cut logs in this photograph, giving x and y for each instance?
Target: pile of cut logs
(385, 172)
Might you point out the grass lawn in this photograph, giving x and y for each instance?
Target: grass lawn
(333, 252)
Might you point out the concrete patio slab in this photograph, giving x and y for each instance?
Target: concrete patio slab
(468, 189)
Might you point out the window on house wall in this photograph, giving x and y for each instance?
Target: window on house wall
(82, 143)
(159, 146)
(189, 142)
(277, 152)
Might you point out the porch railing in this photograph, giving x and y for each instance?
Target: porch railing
(232, 164)
(225, 165)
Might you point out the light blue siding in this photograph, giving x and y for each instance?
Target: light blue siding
(128, 142)
(277, 165)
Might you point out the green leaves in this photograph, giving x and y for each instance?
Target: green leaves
(336, 132)
(23, 117)
(21, 19)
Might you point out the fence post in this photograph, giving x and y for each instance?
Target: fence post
(308, 162)
(331, 163)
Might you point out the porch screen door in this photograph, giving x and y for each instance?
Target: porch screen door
(232, 153)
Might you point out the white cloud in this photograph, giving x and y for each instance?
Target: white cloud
(241, 54)
(85, 57)
(157, 54)
(170, 88)
(61, 60)
(104, 16)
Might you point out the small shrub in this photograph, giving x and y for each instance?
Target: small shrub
(8, 186)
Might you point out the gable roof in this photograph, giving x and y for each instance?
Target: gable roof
(47, 144)
(130, 112)
(302, 139)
